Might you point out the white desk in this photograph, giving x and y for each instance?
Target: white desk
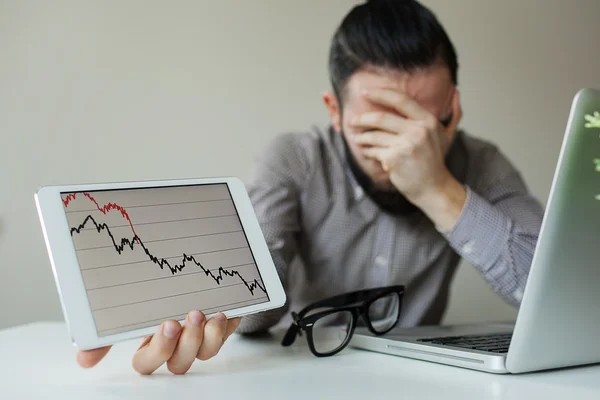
(38, 361)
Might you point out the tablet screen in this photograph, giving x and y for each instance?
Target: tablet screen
(151, 254)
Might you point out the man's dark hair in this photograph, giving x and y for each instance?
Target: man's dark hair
(401, 35)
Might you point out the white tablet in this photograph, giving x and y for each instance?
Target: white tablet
(128, 256)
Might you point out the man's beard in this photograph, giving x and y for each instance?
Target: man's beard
(392, 201)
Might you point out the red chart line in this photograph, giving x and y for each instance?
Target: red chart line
(104, 209)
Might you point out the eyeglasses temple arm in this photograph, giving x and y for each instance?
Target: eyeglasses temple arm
(290, 335)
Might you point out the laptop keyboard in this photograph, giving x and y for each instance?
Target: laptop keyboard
(492, 343)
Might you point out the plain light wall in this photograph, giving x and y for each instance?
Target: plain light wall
(103, 91)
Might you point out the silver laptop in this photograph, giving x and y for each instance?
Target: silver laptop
(558, 324)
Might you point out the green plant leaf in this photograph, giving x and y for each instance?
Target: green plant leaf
(592, 121)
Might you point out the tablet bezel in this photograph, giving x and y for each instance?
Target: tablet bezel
(69, 280)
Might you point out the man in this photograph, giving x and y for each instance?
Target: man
(390, 193)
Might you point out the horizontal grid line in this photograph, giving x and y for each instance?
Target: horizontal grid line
(168, 277)
(164, 240)
(166, 258)
(180, 315)
(167, 297)
(163, 222)
(154, 205)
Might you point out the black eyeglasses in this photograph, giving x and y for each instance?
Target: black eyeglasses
(378, 307)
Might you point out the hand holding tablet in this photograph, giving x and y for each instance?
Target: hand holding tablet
(129, 256)
(176, 345)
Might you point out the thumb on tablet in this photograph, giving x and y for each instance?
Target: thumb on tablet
(89, 358)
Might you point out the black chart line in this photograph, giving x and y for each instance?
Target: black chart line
(162, 262)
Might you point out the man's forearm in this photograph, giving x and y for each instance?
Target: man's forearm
(499, 240)
(444, 204)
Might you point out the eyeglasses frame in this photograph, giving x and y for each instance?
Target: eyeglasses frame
(342, 303)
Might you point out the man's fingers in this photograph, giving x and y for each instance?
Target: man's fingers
(400, 102)
(381, 120)
(447, 134)
(89, 358)
(214, 337)
(376, 139)
(189, 343)
(456, 112)
(381, 154)
(158, 350)
(232, 325)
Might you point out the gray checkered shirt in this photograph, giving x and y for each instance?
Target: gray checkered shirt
(327, 237)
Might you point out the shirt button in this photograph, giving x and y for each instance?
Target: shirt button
(381, 261)
(358, 193)
(518, 295)
(468, 247)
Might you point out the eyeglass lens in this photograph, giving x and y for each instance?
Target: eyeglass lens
(323, 340)
(383, 312)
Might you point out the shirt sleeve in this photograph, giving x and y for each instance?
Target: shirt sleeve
(498, 228)
(274, 192)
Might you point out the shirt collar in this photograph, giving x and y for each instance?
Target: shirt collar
(354, 194)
